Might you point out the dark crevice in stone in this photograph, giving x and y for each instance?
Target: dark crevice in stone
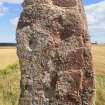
(32, 43)
(54, 78)
(67, 32)
(28, 87)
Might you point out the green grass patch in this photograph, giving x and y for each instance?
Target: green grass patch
(9, 85)
(100, 90)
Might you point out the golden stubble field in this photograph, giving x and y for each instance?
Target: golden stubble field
(8, 56)
(98, 53)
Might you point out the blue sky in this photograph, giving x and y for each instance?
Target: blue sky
(11, 9)
(88, 2)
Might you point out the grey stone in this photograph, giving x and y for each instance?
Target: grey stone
(53, 47)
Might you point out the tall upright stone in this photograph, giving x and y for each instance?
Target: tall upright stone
(53, 47)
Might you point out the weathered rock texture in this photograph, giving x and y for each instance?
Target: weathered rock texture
(54, 52)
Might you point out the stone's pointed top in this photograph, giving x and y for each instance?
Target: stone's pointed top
(65, 3)
(61, 3)
(27, 2)
(35, 2)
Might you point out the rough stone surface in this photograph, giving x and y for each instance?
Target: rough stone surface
(53, 47)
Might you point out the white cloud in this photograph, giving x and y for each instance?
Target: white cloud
(91, 19)
(14, 21)
(2, 9)
(96, 18)
(1, 3)
(96, 14)
(11, 1)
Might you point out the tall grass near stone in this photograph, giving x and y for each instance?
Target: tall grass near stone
(9, 85)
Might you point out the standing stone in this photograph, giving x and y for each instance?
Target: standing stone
(53, 47)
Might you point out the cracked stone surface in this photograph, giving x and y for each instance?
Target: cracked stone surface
(54, 52)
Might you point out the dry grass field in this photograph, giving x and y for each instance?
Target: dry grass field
(10, 75)
(7, 56)
(98, 52)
